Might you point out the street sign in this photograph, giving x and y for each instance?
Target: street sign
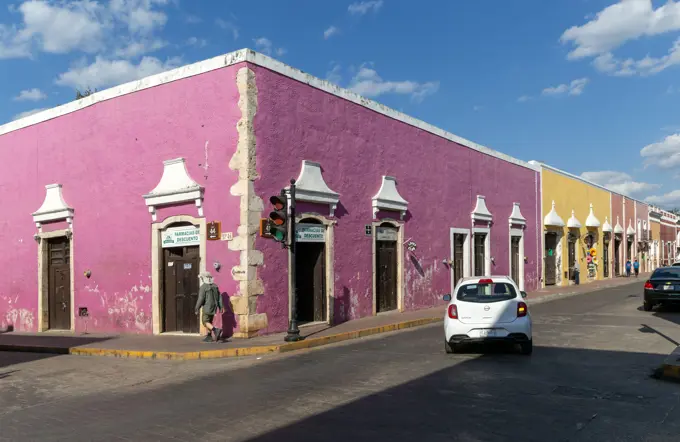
(214, 231)
(265, 228)
(368, 230)
(310, 233)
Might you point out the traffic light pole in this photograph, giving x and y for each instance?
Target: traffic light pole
(293, 330)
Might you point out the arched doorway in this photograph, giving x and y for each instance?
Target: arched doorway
(310, 270)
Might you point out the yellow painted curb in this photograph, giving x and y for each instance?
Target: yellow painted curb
(252, 351)
(671, 371)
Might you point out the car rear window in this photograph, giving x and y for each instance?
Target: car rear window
(667, 272)
(494, 292)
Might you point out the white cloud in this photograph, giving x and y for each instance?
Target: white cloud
(264, 45)
(228, 26)
(87, 26)
(664, 154)
(105, 73)
(192, 19)
(331, 31)
(361, 8)
(334, 75)
(524, 99)
(668, 200)
(576, 87)
(368, 83)
(619, 182)
(477, 108)
(198, 42)
(34, 94)
(620, 23)
(137, 48)
(27, 113)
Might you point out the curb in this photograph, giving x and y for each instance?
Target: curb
(269, 349)
(667, 372)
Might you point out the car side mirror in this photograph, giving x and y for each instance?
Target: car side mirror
(524, 294)
(447, 297)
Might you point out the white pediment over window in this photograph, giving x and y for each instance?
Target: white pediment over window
(573, 222)
(481, 212)
(312, 188)
(552, 219)
(516, 216)
(592, 220)
(175, 187)
(388, 198)
(630, 231)
(618, 228)
(606, 227)
(53, 208)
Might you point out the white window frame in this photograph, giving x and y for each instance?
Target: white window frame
(519, 233)
(487, 250)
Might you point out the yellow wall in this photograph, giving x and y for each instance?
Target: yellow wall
(572, 194)
(655, 230)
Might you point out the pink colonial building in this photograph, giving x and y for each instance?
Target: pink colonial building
(114, 203)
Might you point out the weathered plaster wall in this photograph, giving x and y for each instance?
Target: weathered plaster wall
(641, 220)
(572, 194)
(106, 157)
(655, 228)
(617, 216)
(355, 147)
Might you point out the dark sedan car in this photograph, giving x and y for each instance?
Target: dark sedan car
(663, 287)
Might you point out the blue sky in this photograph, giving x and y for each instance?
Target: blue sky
(588, 86)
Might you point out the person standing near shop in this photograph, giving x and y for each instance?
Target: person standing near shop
(636, 267)
(210, 299)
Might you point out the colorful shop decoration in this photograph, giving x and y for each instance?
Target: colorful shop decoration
(591, 259)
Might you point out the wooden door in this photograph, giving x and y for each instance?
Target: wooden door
(458, 256)
(514, 254)
(571, 246)
(180, 289)
(605, 260)
(617, 255)
(550, 258)
(386, 276)
(59, 283)
(310, 278)
(480, 258)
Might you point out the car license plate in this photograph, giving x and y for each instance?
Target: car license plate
(668, 287)
(487, 333)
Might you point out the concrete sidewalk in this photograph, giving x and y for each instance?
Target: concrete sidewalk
(190, 347)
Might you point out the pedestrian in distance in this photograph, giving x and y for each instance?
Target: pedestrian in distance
(627, 268)
(210, 299)
(636, 267)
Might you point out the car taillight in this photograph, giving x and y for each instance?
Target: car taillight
(453, 311)
(649, 286)
(485, 281)
(522, 309)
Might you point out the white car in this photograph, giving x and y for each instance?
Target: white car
(485, 309)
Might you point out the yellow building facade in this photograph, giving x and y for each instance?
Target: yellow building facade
(576, 215)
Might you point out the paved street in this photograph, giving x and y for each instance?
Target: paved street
(588, 380)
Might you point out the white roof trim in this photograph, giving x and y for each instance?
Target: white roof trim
(388, 198)
(175, 186)
(606, 227)
(248, 55)
(552, 218)
(592, 220)
(53, 208)
(516, 215)
(481, 212)
(572, 222)
(618, 228)
(630, 230)
(311, 187)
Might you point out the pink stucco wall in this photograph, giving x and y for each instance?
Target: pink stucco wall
(106, 157)
(617, 216)
(355, 147)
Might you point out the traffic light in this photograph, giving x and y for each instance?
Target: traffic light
(278, 219)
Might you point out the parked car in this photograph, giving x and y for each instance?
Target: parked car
(487, 309)
(676, 264)
(662, 287)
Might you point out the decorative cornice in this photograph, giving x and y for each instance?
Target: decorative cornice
(592, 220)
(516, 216)
(630, 231)
(312, 188)
(618, 228)
(552, 219)
(606, 227)
(53, 208)
(176, 186)
(388, 198)
(481, 212)
(572, 222)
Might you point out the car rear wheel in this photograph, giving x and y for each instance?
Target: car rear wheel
(450, 349)
(647, 306)
(526, 348)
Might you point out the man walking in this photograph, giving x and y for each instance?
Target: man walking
(636, 267)
(627, 268)
(210, 299)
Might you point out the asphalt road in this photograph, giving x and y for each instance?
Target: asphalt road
(588, 380)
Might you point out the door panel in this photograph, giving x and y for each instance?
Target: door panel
(180, 289)
(571, 245)
(386, 278)
(605, 261)
(480, 259)
(458, 256)
(59, 284)
(514, 253)
(550, 259)
(311, 282)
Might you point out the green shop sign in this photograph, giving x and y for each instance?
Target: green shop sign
(180, 237)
